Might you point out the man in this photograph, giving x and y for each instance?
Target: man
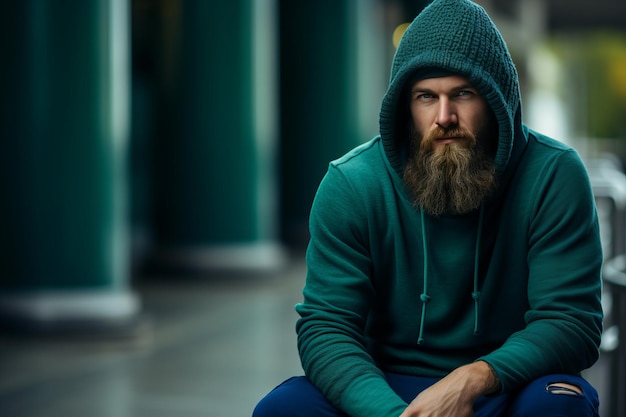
(454, 261)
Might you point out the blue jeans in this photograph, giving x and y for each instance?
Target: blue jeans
(298, 397)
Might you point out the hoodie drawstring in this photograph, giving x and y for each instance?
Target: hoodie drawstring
(424, 295)
(425, 298)
(476, 293)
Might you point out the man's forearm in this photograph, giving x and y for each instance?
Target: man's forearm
(455, 394)
(485, 377)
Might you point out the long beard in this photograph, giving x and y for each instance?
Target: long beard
(452, 178)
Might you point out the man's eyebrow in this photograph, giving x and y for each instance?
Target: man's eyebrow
(465, 86)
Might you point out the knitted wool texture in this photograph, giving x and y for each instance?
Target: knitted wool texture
(457, 36)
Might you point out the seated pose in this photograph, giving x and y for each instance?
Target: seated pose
(454, 260)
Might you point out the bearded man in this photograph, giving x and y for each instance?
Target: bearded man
(454, 260)
(450, 168)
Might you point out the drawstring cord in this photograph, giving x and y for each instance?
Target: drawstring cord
(476, 293)
(424, 296)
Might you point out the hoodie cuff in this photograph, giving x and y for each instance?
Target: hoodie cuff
(371, 396)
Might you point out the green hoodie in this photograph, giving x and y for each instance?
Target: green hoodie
(391, 289)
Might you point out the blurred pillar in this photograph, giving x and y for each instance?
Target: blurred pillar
(413, 7)
(64, 126)
(211, 176)
(318, 92)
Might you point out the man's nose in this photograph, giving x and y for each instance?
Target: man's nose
(446, 116)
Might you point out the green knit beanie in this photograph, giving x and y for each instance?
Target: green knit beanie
(455, 36)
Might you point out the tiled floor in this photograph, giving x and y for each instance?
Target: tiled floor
(212, 348)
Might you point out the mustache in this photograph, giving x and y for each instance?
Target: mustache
(453, 132)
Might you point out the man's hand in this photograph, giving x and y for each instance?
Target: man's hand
(455, 394)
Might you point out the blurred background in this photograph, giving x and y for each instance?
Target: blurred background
(159, 158)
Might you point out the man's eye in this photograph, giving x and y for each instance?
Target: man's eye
(425, 96)
(465, 93)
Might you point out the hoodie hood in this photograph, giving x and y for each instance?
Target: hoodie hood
(452, 36)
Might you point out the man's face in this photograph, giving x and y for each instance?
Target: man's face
(449, 110)
(450, 169)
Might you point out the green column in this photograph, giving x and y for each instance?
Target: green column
(209, 208)
(318, 91)
(64, 124)
(412, 8)
(335, 57)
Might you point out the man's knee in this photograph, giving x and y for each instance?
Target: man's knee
(553, 395)
(296, 397)
(268, 406)
(277, 402)
(562, 388)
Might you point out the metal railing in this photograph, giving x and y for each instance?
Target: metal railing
(609, 186)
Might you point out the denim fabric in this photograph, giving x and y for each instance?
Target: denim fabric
(298, 397)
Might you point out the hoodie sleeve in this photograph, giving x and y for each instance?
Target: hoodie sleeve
(336, 302)
(564, 321)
